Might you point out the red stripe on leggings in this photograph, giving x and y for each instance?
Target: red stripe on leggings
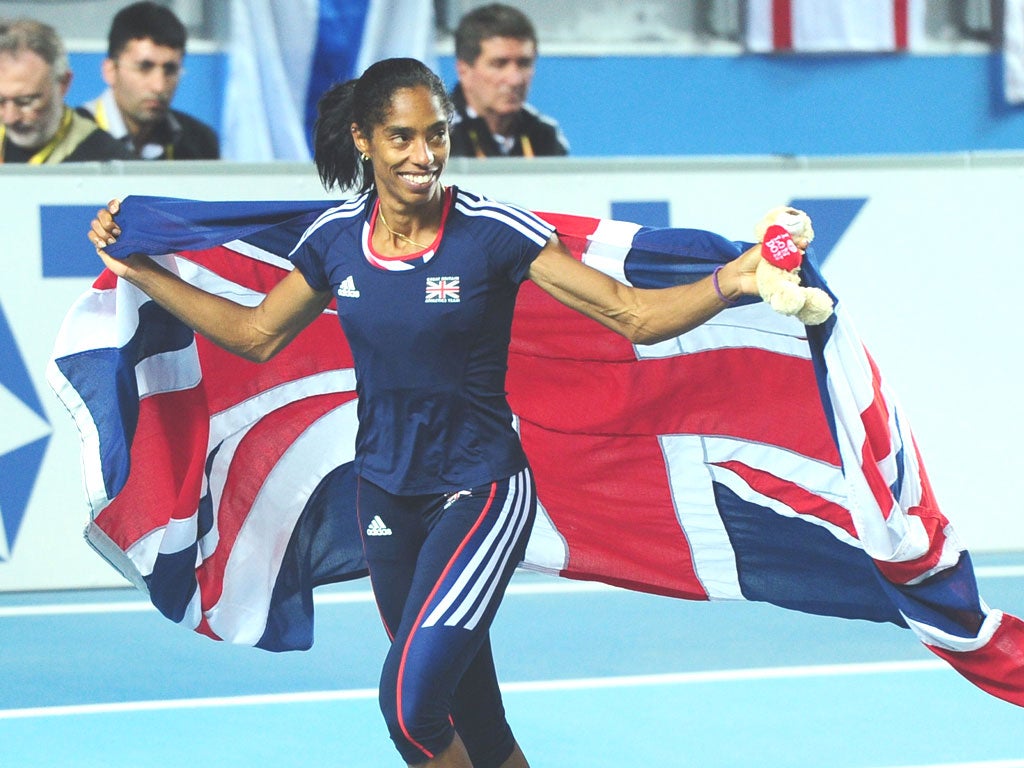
(423, 610)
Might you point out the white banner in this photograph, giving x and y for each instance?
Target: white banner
(834, 26)
(284, 53)
(1013, 50)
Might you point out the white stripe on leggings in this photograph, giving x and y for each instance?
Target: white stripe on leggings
(483, 571)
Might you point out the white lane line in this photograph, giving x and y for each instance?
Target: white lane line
(564, 586)
(73, 609)
(588, 683)
(120, 707)
(996, 572)
(554, 587)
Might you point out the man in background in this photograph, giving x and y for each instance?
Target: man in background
(38, 127)
(495, 58)
(145, 51)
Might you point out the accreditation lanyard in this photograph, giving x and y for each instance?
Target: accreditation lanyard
(100, 117)
(43, 154)
(524, 141)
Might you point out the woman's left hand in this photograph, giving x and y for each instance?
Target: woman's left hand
(738, 278)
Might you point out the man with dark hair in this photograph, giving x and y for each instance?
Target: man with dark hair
(145, 50)
(37, 126)
(495, 58)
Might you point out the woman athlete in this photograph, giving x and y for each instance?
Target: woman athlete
(425, 279)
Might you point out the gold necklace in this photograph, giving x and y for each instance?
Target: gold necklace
(399, 235)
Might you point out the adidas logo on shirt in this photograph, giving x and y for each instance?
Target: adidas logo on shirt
(347, 289)
(377, 527)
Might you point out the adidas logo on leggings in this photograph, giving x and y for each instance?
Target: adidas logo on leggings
(377, 527)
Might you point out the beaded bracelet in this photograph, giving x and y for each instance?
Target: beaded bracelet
(718, 289)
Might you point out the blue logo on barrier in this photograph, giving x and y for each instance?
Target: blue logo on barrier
(23, 440)
(831, 217)
(66, 251)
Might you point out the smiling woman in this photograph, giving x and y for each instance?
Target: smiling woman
(425, 279)
(410, 158)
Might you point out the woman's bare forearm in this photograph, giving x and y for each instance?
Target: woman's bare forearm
(254, 332)
(644, 316)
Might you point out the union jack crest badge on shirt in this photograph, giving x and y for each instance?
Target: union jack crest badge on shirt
(442, 290)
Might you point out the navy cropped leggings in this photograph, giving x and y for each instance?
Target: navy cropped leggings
(439, 565)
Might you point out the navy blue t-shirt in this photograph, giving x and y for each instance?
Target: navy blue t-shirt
(430, 339)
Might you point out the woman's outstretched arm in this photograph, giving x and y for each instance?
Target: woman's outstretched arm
(256, 333)
(642, 315)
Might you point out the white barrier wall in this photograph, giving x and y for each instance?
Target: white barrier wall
(927, 267)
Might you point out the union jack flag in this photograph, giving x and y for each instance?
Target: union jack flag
(443, 290)
(750, 459)
(834, 25)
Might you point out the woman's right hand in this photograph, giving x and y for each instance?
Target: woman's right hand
(104, 232)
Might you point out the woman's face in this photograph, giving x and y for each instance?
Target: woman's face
(409, 148)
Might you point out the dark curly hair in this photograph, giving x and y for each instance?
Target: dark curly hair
(365, 102)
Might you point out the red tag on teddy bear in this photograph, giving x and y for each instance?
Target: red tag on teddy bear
(779, 250)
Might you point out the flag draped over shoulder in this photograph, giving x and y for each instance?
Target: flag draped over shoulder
(749, 459)
(833, 26)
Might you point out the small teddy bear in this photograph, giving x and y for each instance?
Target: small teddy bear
(784, 234)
